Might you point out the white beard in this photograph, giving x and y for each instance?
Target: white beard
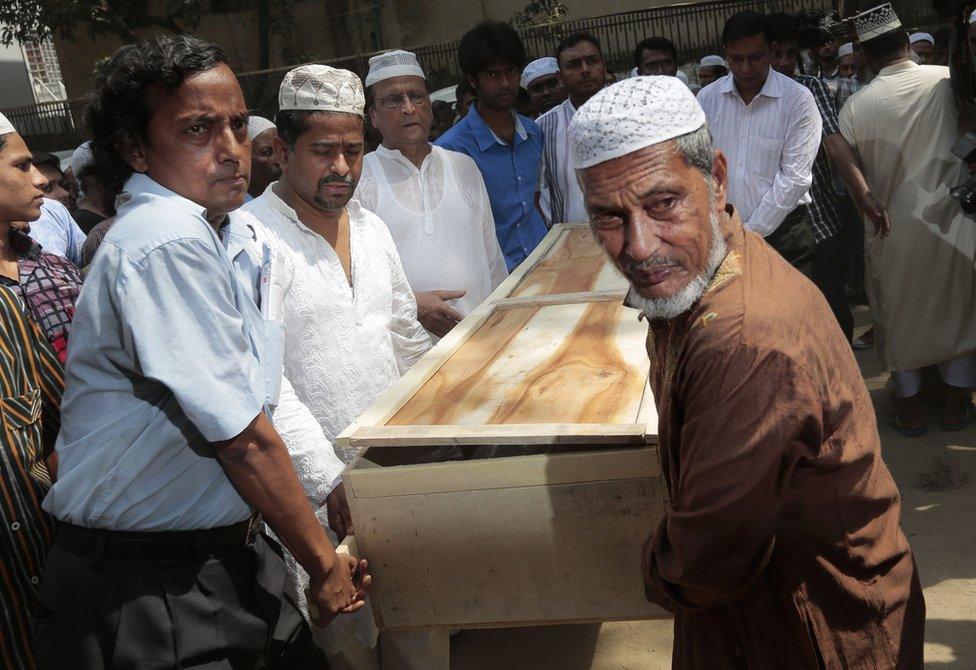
(685, 299)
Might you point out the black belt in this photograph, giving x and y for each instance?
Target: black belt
(117, 545)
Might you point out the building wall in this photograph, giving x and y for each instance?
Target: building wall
(327, 29)
(15, 85)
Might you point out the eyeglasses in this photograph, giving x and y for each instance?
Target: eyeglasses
(396, 100)
(536, 87)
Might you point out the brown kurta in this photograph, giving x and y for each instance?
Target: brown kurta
(782, 547)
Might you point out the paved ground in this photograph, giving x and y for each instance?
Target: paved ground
(937, 478)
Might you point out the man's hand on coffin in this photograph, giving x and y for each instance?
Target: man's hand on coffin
(435, 314)
(340, 519)
(338, 590)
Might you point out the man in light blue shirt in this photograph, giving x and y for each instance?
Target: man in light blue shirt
(57, 232)
(166, 444)
(506, 145)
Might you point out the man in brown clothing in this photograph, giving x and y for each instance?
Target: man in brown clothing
(782, 546)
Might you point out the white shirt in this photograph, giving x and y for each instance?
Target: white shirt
(771, 145)
(440, 219)
(344, 344)
(57, 232)
(561, 197)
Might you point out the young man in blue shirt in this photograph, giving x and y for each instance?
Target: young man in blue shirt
(506, 145)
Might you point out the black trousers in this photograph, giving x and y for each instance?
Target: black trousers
(222, 610)
(794, 240)
(830, 265)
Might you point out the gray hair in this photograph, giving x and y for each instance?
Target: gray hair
(696, 148)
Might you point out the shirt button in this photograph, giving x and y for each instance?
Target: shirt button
(15, 525)
(34, 580)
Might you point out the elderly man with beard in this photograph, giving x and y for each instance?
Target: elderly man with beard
(264, 162)
(348, 311)
(781, 547)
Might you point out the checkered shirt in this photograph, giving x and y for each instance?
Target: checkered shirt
(825, 220)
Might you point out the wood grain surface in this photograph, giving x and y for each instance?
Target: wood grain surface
(575, 263)
(582, 363)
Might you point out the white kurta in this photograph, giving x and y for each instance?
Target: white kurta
(440, 219)
(921, 279)
(344, 346)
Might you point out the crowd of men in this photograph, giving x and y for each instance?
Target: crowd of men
(172, 496)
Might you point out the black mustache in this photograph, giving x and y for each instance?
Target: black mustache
(336, 179)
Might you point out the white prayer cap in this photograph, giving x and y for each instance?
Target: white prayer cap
(710, 61)
(846, 49)
(633, 73)
(972, 17)
(631, 115)
(257, 125)
(540, 67)
(682, 76)
(396, 63)
(320, 88)
(81, 158)
(921, 37)
(876, 22)
(6, 126)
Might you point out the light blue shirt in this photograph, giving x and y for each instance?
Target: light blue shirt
(57, 232)
(511, 176)
(164, 358)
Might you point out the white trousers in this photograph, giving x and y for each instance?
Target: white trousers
(959, 372)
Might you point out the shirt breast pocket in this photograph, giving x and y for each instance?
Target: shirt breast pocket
(767, 155)
(21, 411)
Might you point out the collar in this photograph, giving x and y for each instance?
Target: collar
(903, 66)
(275, 202)
(236, 233)
(140, 183)
(396, 156)
(772, 88)
(485, 136)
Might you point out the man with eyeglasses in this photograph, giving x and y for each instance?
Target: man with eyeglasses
(656, 55)
(434, 201)
(506, 146)
(541, 79)
(583, 71)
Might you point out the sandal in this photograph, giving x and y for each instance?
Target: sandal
(894, 420)
(969, 413)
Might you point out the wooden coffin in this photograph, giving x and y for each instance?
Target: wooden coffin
(537, 411)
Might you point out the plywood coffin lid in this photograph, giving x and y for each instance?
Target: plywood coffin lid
(554, 359)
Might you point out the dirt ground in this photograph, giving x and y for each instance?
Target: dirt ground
(936, 474)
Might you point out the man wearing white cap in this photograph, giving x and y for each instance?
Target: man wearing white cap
(583, 71)
(541, 79)
(849, 80)
(710, 69)
(264, 161)
(434, 201)
(921, 279)
(923, 46)
(338, 287)
(95, 203)
(781, 548)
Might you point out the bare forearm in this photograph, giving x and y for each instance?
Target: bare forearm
(258, 465)
(847, 165)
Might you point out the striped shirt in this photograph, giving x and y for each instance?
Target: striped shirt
(31, 382)
(824, 218)
(770, 144)
(561, 197)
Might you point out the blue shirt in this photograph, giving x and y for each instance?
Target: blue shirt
(57, 231)
(165, 357)
(510, 174)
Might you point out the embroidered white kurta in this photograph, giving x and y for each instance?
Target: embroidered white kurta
(344, 344)
(921, 279)
(440, 219)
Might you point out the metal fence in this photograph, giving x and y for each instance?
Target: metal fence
(694, 27)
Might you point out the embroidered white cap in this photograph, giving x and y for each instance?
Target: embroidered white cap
(921, 37)
(540, 67)
(846, 49)
(712, 61)
(320, 88)
(876, 22)
(634, 73)
(257, 125)
(396, 63)
(631, 115)
(6, 126)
